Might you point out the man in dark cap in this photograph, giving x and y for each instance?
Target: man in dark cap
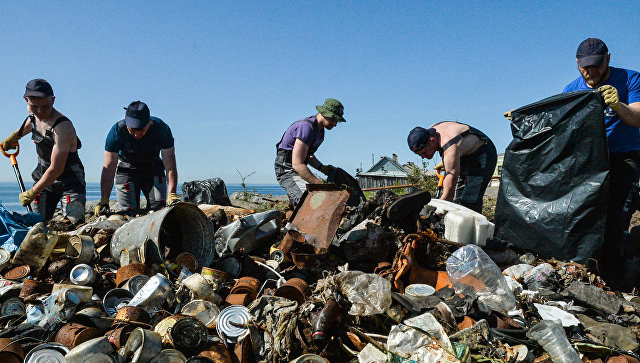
(620, 89)
(296, 149)
(132, 154)
(468, 155)
(59, 173)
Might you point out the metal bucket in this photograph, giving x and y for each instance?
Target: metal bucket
(182, 227)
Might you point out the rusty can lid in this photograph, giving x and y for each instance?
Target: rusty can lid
(187, 260)
(227, 322)
(12, 306)
(18, 273)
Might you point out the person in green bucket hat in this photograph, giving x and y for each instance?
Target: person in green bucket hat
(296, 149)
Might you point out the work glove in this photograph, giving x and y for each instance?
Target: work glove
(610, 96)
(327, 169)
(10, 142)
(27, 197)
(172, 198)
(102, 208)
(507, 114)
(439, 167)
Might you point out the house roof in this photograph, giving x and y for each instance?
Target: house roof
(386, 167)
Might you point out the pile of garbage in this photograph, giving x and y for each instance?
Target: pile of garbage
(391, 279)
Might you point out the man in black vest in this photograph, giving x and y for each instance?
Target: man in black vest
(59, 173)
(132, 154)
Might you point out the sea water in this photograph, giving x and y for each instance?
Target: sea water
(9, 192)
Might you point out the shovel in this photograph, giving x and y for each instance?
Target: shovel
(14, 163)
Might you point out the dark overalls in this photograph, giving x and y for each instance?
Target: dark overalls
(286, 176)
(69, 186)
(139, 171)
(476, 170)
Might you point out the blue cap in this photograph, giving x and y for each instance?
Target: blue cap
(419, 138)
(137, 115)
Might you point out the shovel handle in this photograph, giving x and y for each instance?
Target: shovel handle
(11, 156)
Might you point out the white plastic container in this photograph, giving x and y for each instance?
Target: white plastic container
(462, 224)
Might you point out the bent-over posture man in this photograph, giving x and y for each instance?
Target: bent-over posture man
(132, 154)
(468, 155)
(296, 149)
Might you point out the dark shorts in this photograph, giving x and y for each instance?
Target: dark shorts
(476, 171)
(70, 190)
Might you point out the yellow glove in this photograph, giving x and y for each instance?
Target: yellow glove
(10, 142)
(172, 198)
(102, 207)
(439, 167)
(610, 96)
(327, 169)
(27, 197)
(507, 114)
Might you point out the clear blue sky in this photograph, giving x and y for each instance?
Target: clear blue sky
(229, 77)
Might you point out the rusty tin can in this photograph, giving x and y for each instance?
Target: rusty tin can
(132, 315)
(238, 299)
(31, 288)
(294, 289)
(73, 334)
(291, 239)
(120, 335)
(218, 353)
(169, 356)
(246, 285)
(11, 350)
(126, 272)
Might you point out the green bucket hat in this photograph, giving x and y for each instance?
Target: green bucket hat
(333, 109)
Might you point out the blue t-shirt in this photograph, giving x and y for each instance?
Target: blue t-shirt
(621, 137)
(305, 131)
(143, 151)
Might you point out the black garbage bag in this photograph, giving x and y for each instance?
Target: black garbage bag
(210, 191)
(340, 177)
(554, 188)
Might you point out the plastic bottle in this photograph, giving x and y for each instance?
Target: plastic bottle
(473, 273)
(553, 340)
(323, 324)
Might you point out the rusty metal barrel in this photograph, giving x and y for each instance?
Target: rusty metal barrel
(182, 227)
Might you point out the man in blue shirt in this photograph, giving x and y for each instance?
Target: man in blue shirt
(620, 89)
(132, 151)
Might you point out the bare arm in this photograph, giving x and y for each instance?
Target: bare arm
(300, 150)
(169, 161)
(314, 162)
(63, 136)
(629, 114)
(108, 173)
(451, 159)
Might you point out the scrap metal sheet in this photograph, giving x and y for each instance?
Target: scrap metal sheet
(319, 213)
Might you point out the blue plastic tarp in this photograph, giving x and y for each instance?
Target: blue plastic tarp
(14, 227)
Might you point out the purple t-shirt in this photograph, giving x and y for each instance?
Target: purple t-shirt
(306, 131)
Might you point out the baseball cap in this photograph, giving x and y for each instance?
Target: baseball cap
(333, 109)
(38, 88)
(419, 137)
(591, 52)
(137, 115)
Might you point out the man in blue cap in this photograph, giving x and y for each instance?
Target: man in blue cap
(620, 89)
(296, 149)
(468, 155)
(59, 175)
(132, 154)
